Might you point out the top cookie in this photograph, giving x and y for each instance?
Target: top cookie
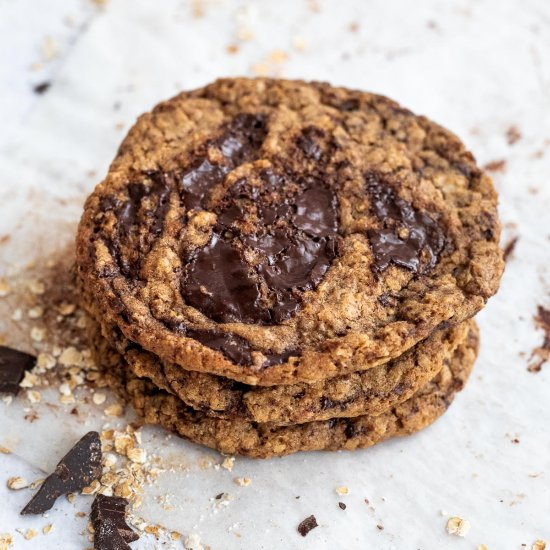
(279, 231)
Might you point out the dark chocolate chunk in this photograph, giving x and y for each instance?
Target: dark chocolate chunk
(13, 364)
(307, 525)
(309, 142)
(42, 88)
(240, 142)
(408, 238)
(220, 284)
(76, 470)
(198, 179)
(294, 237)
(111, 532)
(231, 345)
(342, 506)
(278, 358)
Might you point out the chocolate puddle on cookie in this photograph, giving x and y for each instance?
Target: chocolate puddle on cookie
(408, 238)
(268, 247)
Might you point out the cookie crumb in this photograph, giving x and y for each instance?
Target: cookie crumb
(482, 547)
(30, 534)
(458, 526)
(496, 166)
(342, 490)
(114, 410)
(509, 248)
(99, 398)
(5, 288)
(228, 463)
(539, 545)
(6, 541)
(513, 135)
(15, 483)
(242, 481)
(307, 525)
(193, 542)
(47, 529)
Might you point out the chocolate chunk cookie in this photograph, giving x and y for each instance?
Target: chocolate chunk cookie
(369, 392)
(278, 232)
(266, 440)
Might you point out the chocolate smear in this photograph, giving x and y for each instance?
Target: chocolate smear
(408, 238)
(76, 470)
(108, 517)
(13, 365)
(307, 525)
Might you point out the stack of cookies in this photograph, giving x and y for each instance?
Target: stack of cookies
(273, 266)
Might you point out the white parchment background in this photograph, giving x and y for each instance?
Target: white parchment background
(476, 66)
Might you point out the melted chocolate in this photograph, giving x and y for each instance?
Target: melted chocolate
(294, 239)
(240, 142)
(232, 346)
(408, 238)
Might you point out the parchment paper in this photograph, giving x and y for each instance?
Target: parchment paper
(477, 67)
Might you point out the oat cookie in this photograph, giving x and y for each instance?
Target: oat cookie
(265, 440)
(278, 232)
(368, 392)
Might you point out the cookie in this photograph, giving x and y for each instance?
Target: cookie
(265, 440)
(369, 392)
(278, 232)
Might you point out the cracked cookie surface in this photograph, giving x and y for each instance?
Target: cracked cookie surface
(279, 232)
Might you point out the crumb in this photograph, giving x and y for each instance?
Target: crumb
(353, 26)
(380, 527)
(458, 526)
(512, 135)
(540, 355)
(5, 288)
(342, 506)
(232, 49)
(539, 545)
(482, 547)
(16, 483)
(6, 541)
(228, 463)
(34, 396)
(41, 88)
(4, 450)
(137, 455)
(30, 534)
(242, 481)
(99, 398)
(342, 490)
(47, 529)
(496, 166)
(193, 542)
(509, 248)
(114, 410)
(307, 525)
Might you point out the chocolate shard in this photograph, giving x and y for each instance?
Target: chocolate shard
(13, 364)
(76, 470)
(111, 532)
(307, 525)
